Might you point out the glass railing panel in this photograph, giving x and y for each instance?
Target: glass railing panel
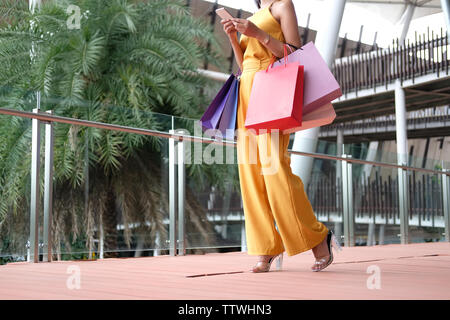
(110, 194)
(324, 192)
(426, 218)
(15, 191)
(375, 205)
(213, 207)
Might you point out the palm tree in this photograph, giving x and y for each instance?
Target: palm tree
(129, 63)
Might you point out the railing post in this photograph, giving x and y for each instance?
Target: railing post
(347, 195)
(48, 192)
(243, 237)
(172, 196)
(177, 177)
(446, 202)
(35, 192)
(181, 197)
(403, 205)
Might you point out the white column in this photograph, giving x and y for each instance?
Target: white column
(400, 103)
(243, 237)
(371, 156)
(33, 4)
(101, 240)
(381, 234)
(326, 42)
(407, 17)
(445, 4)
(339, 141)
(400, 124)
(371, 234)
(157, 251)
(339, 152)
(402, 138)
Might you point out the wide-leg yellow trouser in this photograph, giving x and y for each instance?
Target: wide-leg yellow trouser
(270, 191)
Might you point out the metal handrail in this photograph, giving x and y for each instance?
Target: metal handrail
(114, 127)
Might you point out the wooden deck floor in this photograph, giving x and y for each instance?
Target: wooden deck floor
(413, 271)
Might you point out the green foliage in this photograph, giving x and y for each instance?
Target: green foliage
(128, 62)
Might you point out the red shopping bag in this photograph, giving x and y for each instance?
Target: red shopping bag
(276, 98)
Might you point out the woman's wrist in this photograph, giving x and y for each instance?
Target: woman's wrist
(262, 36)
(233, 37)
(269, 42)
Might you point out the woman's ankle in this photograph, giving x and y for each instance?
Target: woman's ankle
(321, 250)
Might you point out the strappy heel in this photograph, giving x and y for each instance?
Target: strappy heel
(263, 266)
(324, 262)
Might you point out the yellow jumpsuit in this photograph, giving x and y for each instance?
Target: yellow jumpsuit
(278, 196)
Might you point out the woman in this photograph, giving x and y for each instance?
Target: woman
(279, 196)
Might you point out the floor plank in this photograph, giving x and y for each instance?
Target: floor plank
(413, 271)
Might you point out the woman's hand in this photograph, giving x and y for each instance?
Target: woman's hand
(246, 27)
(229, 28)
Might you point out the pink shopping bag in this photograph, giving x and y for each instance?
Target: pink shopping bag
(320, 86)
(318, 117)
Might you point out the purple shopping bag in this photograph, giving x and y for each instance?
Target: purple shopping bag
(227, 124)
(211, 117)
(320, 86)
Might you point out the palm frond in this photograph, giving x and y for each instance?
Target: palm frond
(133, 64)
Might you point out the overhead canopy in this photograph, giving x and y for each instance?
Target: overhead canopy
(394, 10)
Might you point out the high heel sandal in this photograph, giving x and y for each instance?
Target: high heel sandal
(324, 262)
(264, 266)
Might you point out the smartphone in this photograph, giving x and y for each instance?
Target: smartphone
(224, 14)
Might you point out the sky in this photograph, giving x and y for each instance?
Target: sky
(354, 17)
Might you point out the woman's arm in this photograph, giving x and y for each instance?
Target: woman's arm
(284, 10)
(238, 54)
(231, 32)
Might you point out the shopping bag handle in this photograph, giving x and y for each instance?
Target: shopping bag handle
(273, 59)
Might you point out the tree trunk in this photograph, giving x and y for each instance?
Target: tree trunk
(110, 227)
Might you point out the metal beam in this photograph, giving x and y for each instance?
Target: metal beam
(382, 111)
(388, 96)
(429, 93)
(402, 3)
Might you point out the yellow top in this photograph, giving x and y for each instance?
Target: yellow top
(255, 53)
